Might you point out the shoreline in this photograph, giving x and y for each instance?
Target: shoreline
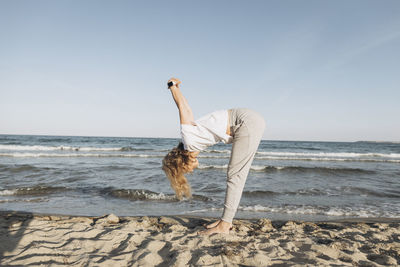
(173, 241)
(345, 220)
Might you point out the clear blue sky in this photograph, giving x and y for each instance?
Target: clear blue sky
(316, 70)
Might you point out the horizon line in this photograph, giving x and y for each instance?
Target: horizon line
(152, 137)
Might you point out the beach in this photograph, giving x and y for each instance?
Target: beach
(109, 240)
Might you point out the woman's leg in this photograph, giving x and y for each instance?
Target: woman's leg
(247, 136)
(248, 129)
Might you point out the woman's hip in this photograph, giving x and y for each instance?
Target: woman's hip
(254, 122)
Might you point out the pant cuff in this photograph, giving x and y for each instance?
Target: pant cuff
(228, 215)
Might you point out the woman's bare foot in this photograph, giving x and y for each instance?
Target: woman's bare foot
(212, 225)
(221, 227)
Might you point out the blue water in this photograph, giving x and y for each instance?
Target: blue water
(288, 180)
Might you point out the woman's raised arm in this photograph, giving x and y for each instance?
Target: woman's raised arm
(185, 112)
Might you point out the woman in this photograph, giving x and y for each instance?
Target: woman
(241, 127)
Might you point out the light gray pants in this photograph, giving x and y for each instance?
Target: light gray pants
(247, 127)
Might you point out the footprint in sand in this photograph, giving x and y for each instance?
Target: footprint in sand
(150, 255)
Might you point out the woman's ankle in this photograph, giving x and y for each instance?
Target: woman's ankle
(225, 225)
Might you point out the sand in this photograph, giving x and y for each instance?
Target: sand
(43, 240)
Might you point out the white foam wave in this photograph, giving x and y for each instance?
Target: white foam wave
(330, 159)
(97, 148)
(366, 157)
(212, 157)
(130, 155)
(67, 155)
(363, 212)
(253, 168)
(160, 196)
(358, 212)
(7, 192)
(330, 155)
(201, 166)
(155, 196)
(24, 200)
(218, 151)
(56, 148)
(204, 210)
(264, 167)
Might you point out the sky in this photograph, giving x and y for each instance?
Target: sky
(315, 70)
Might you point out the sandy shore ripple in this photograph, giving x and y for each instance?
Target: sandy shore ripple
(28, 239)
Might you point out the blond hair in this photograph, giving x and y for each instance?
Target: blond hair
(174, 165)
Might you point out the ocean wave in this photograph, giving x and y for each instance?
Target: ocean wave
(260, 193)
(329, 155)
(21, 168)
(206, 156)
(67, 155)
(24, 200)
(51, 139)
(266, 168)
(339, 191)
(293, 156)
(225, 151)
(323, 170)
(305, 191)
(131, 194)
(378, 142)
(131, 155)
(209, 167)
(329, 159)
(129, 148)
(72, 148)
(355, 212)
(351, 190)
(143, 194)
(6, 192)
(225, 166)
(8, 150)
(31, 191)
(363, 211)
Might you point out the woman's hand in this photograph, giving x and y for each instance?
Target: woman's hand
(176, 82)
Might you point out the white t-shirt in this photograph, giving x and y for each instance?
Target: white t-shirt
(209, 130)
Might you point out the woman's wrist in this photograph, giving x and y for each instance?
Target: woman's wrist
(173, 83)
(173, 87)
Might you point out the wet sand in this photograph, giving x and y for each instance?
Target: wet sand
(38, 239)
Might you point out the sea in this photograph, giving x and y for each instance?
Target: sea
(288, 180)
